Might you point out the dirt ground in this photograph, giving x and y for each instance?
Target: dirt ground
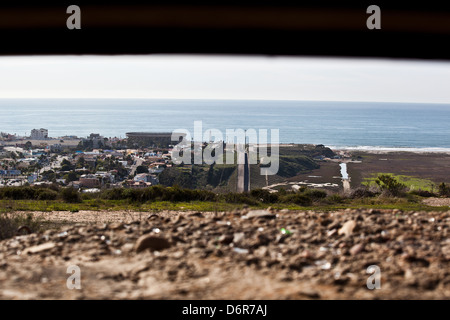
(431, 166)
(233, 255)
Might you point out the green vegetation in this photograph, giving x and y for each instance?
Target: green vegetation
(388, 193)
(444, 190)
(290, 166)
(410, 182)
(390, 185)
(206, 177)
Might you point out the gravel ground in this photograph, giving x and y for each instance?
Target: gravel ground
(232, 255)
(437, 202)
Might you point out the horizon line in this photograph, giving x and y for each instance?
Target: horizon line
(219, 99)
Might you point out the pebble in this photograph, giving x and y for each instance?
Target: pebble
(357, 248)
(40, 248)
(153, 243)
(260, 214)
(347, 228)
(313, 253)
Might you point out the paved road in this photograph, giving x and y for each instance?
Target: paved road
(243, 179)
(138, 162)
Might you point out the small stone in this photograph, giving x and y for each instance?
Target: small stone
(225, 239)
(40, 248)
(357, 248)
(116, 226)
(127, 247)
(309, 293)
(153, 243)
(331, 232)
(347, 228)
(238, 237)
(306, 254)
(240, 250)
(260, 214)
(196, 214)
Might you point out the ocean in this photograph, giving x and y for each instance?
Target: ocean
(361, 125)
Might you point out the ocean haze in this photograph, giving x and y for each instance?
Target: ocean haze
(337, 124)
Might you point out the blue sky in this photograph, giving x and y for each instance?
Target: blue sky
(225, 77)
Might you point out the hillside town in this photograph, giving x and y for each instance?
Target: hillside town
(88, 164)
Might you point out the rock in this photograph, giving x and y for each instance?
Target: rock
(262, 240)
(260, 214)
(240, 250)
(116, 226)
(225, 239)
(309, 293)
(238, 237)
(357, 248)
(127, 247)
(196, 214)
(347, 228)
(306, 254)
(40, 248)
(153, 243)
(331, 232)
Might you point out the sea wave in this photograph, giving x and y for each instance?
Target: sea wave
(392, 149)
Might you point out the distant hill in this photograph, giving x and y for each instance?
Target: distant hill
(294, 159)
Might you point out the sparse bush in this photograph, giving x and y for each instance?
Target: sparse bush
(11, 222)
(234, 197)
(315, 194)
(264, 196)
(47, 194)
(422, 193)
(17, 193)
(444, 190)
(70, 195)
(114, 194)
(335, 198)
(159, 193)
(389, 185)
(361, 192)
(297, 198)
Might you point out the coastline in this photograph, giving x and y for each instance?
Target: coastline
(384, 150)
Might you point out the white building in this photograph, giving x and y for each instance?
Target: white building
(39, 134)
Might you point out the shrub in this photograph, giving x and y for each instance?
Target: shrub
(361, 192)
(264, 196)
(234, 197)
(159, 193)
(70, 195)
(17, 193)
(335, 198)
(388, 184)
(422, 193)
(113, 194)
(315, 194)
(297, 198)
(444, 190)
(47, 194)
